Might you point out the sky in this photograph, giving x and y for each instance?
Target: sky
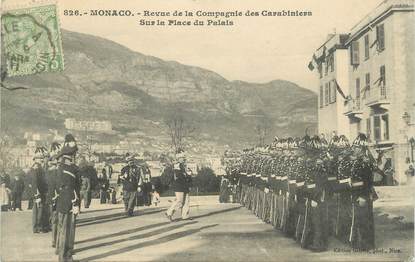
(255, 49)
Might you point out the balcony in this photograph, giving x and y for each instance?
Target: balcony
(377, 97)
(353, 108)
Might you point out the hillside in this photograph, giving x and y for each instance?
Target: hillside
(107, 81)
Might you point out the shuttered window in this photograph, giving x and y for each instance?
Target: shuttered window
(376, 128)
(368, 128)
(333, 92)
(357, 89)
(367, 47)
(367, 82)
(383, 75)
(355, 53)
(326, 94)
(321, 97)
(380, 36)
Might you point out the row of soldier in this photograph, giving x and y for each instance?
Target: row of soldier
(56, 194)
(310, 189)
(58, 185)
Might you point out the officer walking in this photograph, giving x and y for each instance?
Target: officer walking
(131, 180)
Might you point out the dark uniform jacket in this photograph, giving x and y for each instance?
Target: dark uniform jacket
(130, 178)
(18, 186)
(68, 182)
(51, 178)
(39, 184)
(181, 182)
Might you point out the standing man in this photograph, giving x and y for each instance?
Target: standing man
(67, 205)
(39, 190)
(52, 177)
(147, 186)
(85, 189)
(182, 181)
(17, 192)
(130, 178)
(103, 186)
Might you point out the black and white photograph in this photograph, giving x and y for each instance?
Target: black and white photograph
(207, 130)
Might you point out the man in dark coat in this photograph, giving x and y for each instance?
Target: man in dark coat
(181, 186)
(52, 177)
(103, 186)
(67, 204)
(39, 191)
(17, 192)
(130, 178)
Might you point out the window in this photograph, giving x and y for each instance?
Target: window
(382, 75)
(321, 97)
(333, 92)
(385, 126)
(358, 93)
(381, 127)
(355, 53)
(331, 62)
(380, 37)
(368, 128)
(320, 69)
(326, 94)
(376, 128)
(367, 83)
(367, 47)
(326, 66)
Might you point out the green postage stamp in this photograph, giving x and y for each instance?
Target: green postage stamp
(32, 40)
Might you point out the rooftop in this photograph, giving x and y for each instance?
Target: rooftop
(383, 9)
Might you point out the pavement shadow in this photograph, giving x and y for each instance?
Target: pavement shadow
(114, 217)
(140, 236)
(124, 232)
(157, 241)
(99, 210)
(216, 212)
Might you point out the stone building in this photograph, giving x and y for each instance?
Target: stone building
(371, 69)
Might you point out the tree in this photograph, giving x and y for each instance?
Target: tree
(262, 129)
(6, 159)
(179, 128)
(206, 180)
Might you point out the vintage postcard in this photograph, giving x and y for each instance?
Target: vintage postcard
(214, 130)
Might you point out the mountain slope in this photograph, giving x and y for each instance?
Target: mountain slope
(107, 81)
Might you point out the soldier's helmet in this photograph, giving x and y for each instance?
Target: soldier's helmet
(334, 141)
(343, 141)
(361, 140)
(40, 153)
(69, 147)
(54, 150)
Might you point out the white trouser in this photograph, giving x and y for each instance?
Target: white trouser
(181, 201)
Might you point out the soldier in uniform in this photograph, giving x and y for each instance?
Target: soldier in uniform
(147, 186)
(52, 177)
(300, 198)
(68, 200)
(362, 232)
(131, 180)
(39, 191)
(291, 205)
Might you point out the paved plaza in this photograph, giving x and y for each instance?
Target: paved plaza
(218, 232)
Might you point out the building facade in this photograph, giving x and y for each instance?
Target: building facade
(379, 94)
(97, 126)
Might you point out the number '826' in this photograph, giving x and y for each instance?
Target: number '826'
(67, 12)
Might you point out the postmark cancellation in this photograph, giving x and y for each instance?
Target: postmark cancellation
(32, 41)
